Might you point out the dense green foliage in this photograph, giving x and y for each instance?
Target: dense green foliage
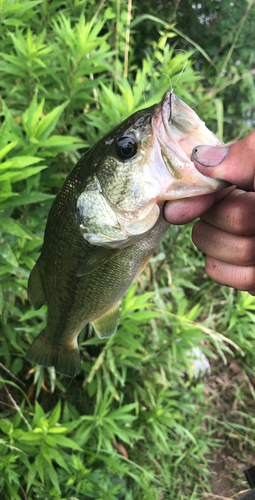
(225, 31)
(131, 425)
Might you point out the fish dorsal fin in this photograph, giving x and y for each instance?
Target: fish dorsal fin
(107, 324)
(97, 258)
(35, 288)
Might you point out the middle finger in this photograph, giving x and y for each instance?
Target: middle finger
(224, 246)
(234, 213)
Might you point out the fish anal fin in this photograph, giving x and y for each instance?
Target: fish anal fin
(35, 288)
(65, 359)
(107, 324)
(97, 258)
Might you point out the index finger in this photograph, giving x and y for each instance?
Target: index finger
(234, 213)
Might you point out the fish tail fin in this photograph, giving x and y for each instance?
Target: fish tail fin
(66, 360)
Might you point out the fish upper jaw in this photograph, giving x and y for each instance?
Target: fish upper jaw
(178, 130)
(185, 125)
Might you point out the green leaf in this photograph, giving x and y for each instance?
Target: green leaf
(40, 462)
(50, 441)
(45, 450)
(19, 162)
(53, 475)
(57, 430)
(11, 227)
(25, 173)
(32, 436)
(55, 455)
(138, 301)
(39, 412)
(8, 255)
(5, 425)
(7, 148)
(31, 116)
(33, 314)
(4, 195)
(73, 424)
(13, 22)
(146, 17)
(1, 299)
(25, 199)
(35, 243)
(60, 140)
(32, 474)
(49, 122)
(87, 432)
(67, 443)
(143, 316)
(220, 117)
(19, 8)
(54, 418)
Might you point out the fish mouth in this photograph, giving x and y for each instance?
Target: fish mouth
(179, 129)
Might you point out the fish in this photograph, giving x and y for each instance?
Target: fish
(107, 220)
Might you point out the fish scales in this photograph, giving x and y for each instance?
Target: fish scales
(107, 220)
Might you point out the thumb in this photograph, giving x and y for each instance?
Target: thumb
(234, 163)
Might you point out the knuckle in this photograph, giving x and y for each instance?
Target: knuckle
(241, 212)
(249, 278)
(239, 218)
(197, 233)
(250, 141)
(247, 251)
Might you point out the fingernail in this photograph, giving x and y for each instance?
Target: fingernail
(210, 156)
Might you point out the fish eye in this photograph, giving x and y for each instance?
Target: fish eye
(126, 147)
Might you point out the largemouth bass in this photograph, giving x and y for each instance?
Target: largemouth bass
(106, 222)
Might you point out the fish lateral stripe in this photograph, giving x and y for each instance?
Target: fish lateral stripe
(66, 361)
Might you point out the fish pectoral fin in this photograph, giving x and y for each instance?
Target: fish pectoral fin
(107, 324)
(35, 288)
(97, 258)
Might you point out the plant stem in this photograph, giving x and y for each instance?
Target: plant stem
(127, 38)
(16, 406)
(175, 10)
(118, 2)
(12, 376)
(100, 7)
(229, 36)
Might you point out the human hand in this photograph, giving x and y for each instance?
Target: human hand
(226, 232)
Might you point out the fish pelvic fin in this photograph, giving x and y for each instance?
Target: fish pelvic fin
(35, 288)
(107, 324)
(66, 360)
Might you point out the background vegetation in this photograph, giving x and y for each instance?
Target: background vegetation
(132, 424)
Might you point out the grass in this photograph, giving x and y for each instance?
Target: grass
(134, 423)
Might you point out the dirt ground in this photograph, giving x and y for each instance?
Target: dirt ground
(227, 478)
